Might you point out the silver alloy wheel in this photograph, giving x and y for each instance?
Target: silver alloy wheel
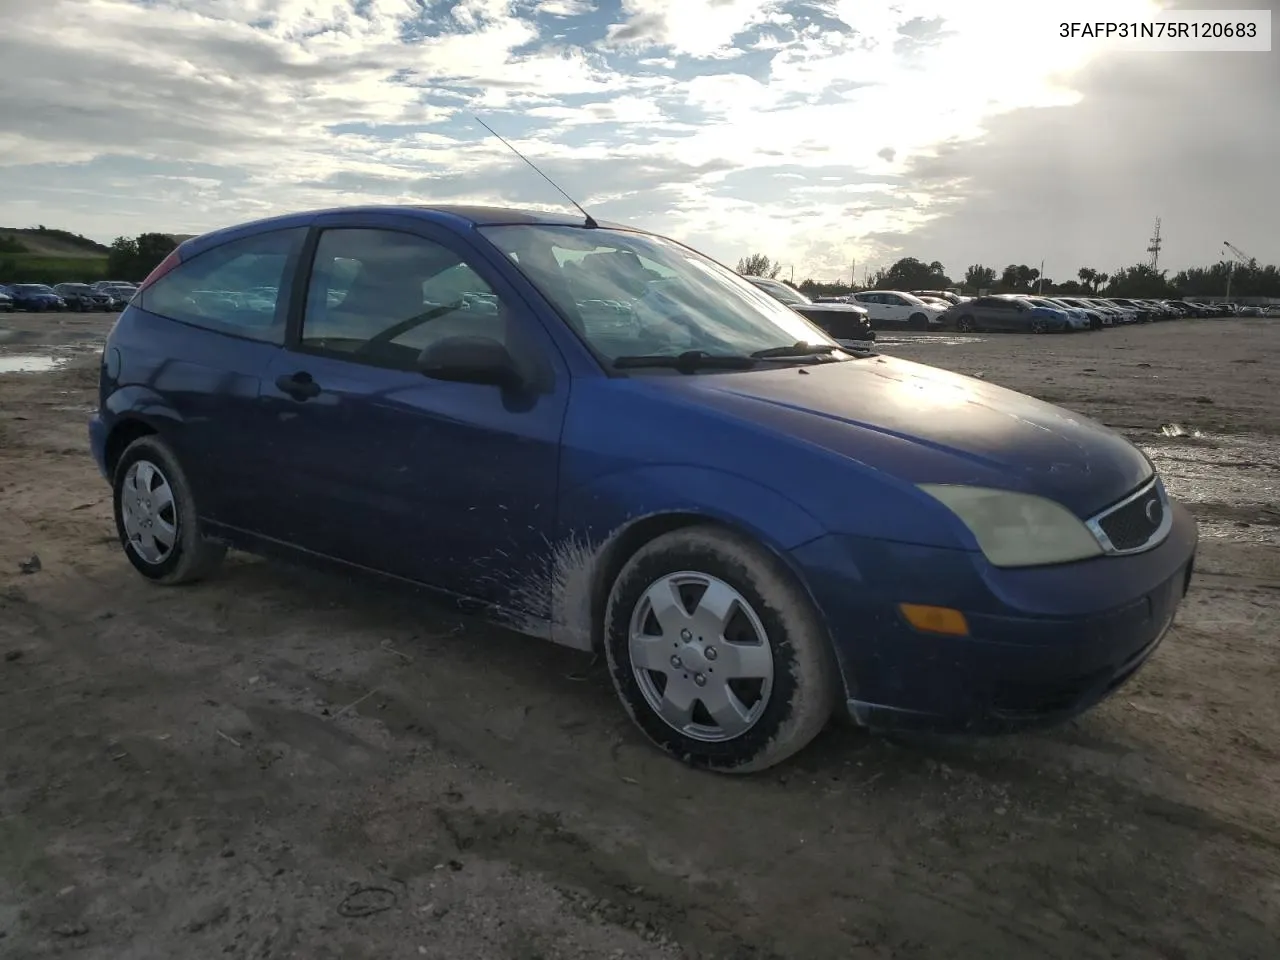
(1038, 326)
(148, 512)
(712, 654)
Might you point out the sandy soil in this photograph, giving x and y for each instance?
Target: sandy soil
(278, 763)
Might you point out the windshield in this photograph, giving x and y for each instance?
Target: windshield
(781, 291)
(32, 288)
(631, 294)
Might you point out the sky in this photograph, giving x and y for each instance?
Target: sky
(826, 134)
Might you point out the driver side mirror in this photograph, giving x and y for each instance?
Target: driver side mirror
(470, 359)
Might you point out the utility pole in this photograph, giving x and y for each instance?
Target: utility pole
(1237, 254)
(853, 274)
(1154, 248)
(1040, 282)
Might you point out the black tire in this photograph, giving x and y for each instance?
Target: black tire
(805, 675)
(192, 557)
(966, 324)
(918, 321)
(1039, 326)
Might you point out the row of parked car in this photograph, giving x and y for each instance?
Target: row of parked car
(857, 316)
(105, 295)
(1038, 314)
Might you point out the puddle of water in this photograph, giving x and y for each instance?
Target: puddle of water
(29, 363)
(1255, 533)
(1219, 468)
(928, 338)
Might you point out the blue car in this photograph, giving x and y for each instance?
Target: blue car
(598, 436)
(1008, 312)
(36, 297)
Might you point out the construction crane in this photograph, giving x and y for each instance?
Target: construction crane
(1238, 255)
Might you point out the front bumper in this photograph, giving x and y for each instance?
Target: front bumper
(1044, 643)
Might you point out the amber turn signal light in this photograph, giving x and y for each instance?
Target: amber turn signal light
(935, 619)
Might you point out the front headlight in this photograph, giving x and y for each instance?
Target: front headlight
(1017, 529)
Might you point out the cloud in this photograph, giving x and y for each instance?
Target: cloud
(816, 131)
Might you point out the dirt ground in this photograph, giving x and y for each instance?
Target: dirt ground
(279, 763)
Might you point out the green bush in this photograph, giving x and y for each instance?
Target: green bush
(32, 268)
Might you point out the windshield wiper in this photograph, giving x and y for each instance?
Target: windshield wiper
(797, 350)
(688, 362)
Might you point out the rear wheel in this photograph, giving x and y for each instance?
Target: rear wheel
(156, 516)
(716, 653)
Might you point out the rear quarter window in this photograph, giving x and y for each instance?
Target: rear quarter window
(236, 288)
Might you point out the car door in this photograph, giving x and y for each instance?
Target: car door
(993, 313)
(1019, 317)
(446, 483)
(897, 310)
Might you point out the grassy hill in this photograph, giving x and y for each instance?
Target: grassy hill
(46, 255)
(48, 242)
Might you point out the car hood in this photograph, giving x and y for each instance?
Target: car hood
(921, 424)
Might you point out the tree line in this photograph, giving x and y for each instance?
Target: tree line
(1140, 280)
(133, 258)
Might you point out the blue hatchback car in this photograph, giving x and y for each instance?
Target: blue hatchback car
(596, 435)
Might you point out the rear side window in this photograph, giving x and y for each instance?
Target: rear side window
(236, 288)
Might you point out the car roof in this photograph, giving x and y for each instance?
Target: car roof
(464, 216)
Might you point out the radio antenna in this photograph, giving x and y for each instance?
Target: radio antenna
(590, 221)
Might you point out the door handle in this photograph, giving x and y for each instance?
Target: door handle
(299, 385)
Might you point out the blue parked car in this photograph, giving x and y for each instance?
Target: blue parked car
(1008, 312)
(36, 297)
(596, 435)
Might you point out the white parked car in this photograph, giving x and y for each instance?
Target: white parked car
(894, 308)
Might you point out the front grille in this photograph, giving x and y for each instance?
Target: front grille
(1137, 521)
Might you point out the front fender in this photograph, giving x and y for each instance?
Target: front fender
(598, 509)
(598, 521)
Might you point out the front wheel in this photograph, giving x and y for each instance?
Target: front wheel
(156, 517)
(716, 653)
(966, 325)
(918, 321)
(1039, 326)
